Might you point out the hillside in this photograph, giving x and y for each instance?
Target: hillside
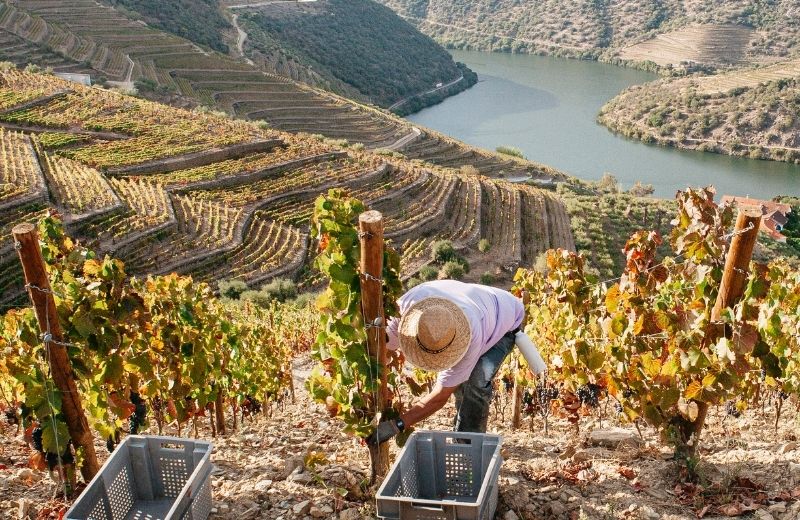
(360, 44)
(172, 190)
(698, 31)
(758, 122)
(178, 71)
(201, 21)
(357, 49)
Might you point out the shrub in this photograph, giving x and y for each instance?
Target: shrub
(145, 85)
(452, 270)
(280, 289)
(258, 298)
(428, 273)
(442, 251)
(510, 150)
(608, 183)
(412, 282)
(484, 245)
(487, 278)
(641, 190)
(305, 299)
(463, 262)
(232, 289)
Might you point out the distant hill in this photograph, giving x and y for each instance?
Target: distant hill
(356, 43)
(175, 70)
(601, 29)
(200, 21)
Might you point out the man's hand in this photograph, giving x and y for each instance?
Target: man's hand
(385, 431)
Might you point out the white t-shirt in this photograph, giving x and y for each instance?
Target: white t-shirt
(491, 313)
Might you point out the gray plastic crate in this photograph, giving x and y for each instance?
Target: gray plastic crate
(150, 478)
(443, 476)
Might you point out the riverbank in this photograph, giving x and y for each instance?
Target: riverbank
(757, 123)
(547, 108)
(414, 103)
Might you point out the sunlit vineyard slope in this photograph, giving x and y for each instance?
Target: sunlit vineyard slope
(172, 190)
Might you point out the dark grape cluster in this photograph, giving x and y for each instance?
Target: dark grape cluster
(12, 417)
(546, 393)
(783, 395)
(250, 406)
(36, 439)
(618, 407)
(53, 459)
(627, 393)
(590, 394)
(508, 382)
(731, 409)
(139, 414)
(539, 398)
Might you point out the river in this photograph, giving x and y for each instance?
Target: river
(547, 107)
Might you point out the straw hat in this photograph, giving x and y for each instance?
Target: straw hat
(434, 334)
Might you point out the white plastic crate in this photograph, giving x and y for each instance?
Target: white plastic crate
(443, 476)
(150, 478)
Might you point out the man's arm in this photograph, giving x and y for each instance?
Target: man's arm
(428, 405)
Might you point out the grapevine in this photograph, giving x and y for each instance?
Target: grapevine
(648, 341)
(165, 341)
(347, 379)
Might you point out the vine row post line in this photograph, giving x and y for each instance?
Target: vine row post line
(370, 227)
(734, 278)
(516, 401)
(26, 242)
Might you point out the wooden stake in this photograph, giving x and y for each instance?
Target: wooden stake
(38, 284)
(370, 225)
(219, 412)
(737, 262)
(516, 402)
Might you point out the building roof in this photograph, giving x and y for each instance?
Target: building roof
(767, 206)
(773, 214)
(778, 217)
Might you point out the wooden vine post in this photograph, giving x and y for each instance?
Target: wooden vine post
(370, 226)
(516, 401)
(36, 280)
(734, 280)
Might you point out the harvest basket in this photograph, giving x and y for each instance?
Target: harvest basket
(443, 476)
(153, 478)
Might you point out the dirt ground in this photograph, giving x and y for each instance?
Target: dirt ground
(298, 464)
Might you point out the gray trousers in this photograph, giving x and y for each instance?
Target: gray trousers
(474, 395)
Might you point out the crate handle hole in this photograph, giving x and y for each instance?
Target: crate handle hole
(172, 446)
(427, 507)
(458, 440)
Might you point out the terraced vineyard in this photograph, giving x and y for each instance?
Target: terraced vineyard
(748, 78)
(123, 50)
(708, 44)
(219, 198)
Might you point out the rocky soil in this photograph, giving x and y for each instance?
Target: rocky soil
(296, 464)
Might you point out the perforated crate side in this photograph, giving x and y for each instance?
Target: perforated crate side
(433, 465)
(150, 477)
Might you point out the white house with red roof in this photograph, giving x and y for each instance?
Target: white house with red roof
(774, 215)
